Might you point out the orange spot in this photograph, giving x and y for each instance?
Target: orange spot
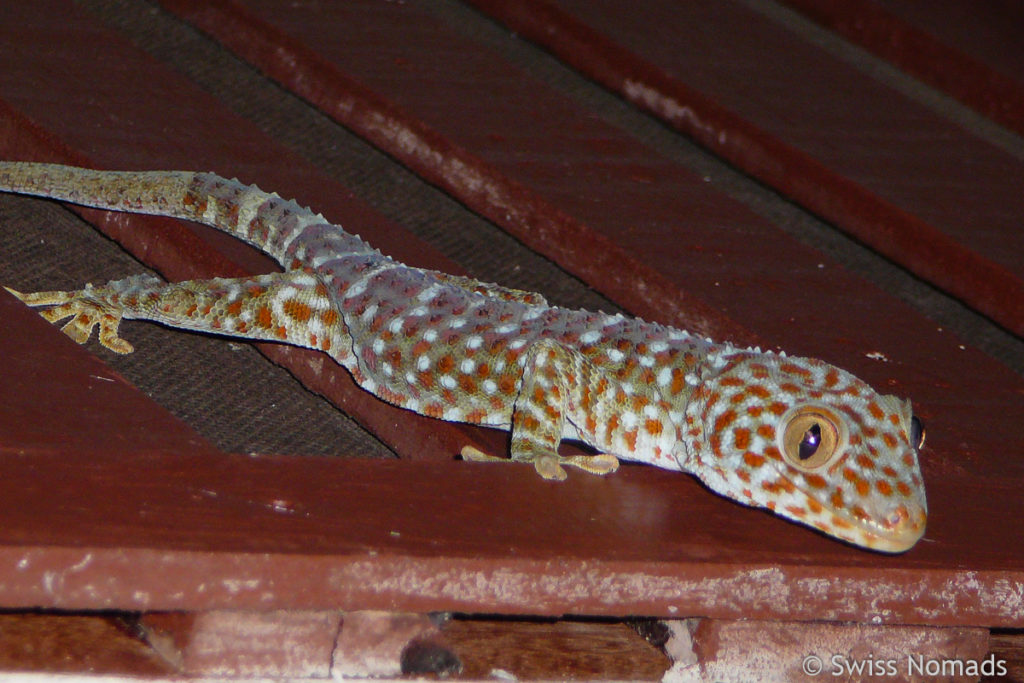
(630, 438)
(789, 388)
(591, 424)
(792, 369)
(678, 380)
(425, 379)
(449, 396)
(889, 440)
(724, 420)
(476, 416)
(777, 408)
(753, 460)
(884, 487)
(890, 472)
(445, 364)
(796, 510)
(877, 412)
(653, 427)
(840, 523)
(865, 462)
(831, 378)
(759, 391)
(836, 499)
(433, 410)
(814, 506)
(264, 318)
(296, 310)
(330, 317)
(741, 438)
(863, 487)
(903, 489)
(815, 481)
(234, 308)
(467, 384)
(755, 411)
(731, 382)
(908, 460)
(613, 424)
(745, 477)
(766, 432)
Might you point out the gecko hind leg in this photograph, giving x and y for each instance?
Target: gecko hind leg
(551, 374)
(289, 307)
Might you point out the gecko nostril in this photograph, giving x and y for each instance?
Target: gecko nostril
(897, 518)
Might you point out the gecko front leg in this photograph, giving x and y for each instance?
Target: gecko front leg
(552, 390)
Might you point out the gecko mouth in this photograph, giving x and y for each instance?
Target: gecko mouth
(897, 532)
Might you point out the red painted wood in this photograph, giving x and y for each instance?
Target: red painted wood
(192, 532)
(972, 50)
(186, 531)
(132, 112)
(843, 145)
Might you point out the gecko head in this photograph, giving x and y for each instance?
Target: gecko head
(812, 443)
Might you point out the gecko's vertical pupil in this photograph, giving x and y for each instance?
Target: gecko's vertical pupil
(809, 444)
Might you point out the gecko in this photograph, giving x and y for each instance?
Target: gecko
(802, 438)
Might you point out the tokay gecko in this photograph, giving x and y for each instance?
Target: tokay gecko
(802, 438)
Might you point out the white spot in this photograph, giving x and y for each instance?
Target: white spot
(615, 355)
(378, 346)
(506, 329)
(467, 366)
(474, 342)
(664, 376)
(395, 326)
(356, 289)
(590, 337)
(368, 314)
(647, 361)
(448, 382)
(423, 363)
(658, 346)
(489, 386)
(516, 344)
(430, 336)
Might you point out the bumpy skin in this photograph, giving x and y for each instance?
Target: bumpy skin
(795, 435)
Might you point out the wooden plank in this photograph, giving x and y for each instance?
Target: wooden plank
(183, 532)
(970, 50)
(853, 154)
(236, 532)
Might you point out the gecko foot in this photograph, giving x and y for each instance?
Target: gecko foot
(550, 465)
(85, 313)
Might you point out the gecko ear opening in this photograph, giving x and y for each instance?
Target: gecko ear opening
(811, 437)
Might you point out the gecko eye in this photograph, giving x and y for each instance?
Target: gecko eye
(810, 438)
(916, 433)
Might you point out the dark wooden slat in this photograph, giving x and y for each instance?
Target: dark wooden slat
(970, 50)
(842, 144)
(163, 121)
